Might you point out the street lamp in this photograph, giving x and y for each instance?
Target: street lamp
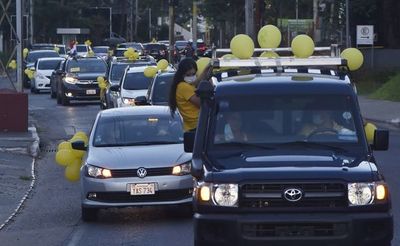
(347, 25)
(110, 11)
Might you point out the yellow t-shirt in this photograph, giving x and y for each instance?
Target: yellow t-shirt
(189, 111)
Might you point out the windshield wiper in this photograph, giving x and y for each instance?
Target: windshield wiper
(307, 144)
(244, 144)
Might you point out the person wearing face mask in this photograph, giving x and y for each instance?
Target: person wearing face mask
(182, 94)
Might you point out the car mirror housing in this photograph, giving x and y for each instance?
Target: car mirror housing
(78, 145)
(141, 100)
(114, 88)
(188, 141)
(381, 140)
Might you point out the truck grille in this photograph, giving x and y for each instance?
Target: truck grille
(126, 173)
(293, 230)
(325, 195)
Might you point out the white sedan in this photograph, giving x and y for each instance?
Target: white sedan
(43, 70)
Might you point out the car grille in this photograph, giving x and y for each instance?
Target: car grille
(125, 173)
(294, 230)
(319, 195)
(126, 197)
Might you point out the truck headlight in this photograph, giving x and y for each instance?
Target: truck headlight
(360, 194)
(182, 169)
(226, 195)
(97, 172)
(70, 80)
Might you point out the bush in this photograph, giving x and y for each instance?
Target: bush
(389, 91)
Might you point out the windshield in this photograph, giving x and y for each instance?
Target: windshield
(161, 89)
(137, 130)
(86, 66)
(137, 47)
(117, 71)
(61, 50)
(136, 81)
(119, 53)
(49, 64)
(81, 48)
(282, 119)
(34, 56)
(156, 47)
(181, 45)
(100, 50)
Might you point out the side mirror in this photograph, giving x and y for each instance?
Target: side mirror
(32, 68)
(79, 145)
(141, 100)
(188, 141)
(115, 88)
(381, 140)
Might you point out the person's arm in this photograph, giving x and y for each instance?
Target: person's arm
(195, 100)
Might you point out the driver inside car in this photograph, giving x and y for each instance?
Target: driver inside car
(322, 122)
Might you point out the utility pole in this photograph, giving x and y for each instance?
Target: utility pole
(150, 39)
(347, 25)
(136, 17)
(18, 39)
(171, 31)
(249, 17)
(315, 20)
(129, 21)
(194, 27)
(31, 21)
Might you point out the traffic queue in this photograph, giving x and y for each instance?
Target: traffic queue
(264, 149)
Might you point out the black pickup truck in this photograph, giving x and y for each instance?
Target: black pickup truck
(283, 159)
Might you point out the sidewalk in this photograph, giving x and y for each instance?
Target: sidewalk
(380, 111)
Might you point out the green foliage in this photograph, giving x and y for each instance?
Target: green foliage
(389, 91)
(368, 81)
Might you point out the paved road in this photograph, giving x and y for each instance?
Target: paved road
(52, 214)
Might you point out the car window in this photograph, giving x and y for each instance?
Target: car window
(61, 50)
(49, 64)
(117, 71)
(119, 53)
(136, 81)
(137, 130)
(281, 119)
(34, 56)
(161, 89)
(100, 49)
(81, 48)
(86, 66)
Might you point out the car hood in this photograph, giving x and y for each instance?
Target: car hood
(131, 157)
(45, 72)
(88, 76)
(293, 166)
(133, 93)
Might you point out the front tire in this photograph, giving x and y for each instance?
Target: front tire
(89, 214)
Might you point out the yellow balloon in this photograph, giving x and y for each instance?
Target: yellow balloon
(202, 63)
(25, 52)
(227, 57)
(65, 157)
(150, 72)
(88, 42)
(269, 36)
(369, 129)
(100, 79)
(12, 64)
(162, 64)
(242, 46)
(81, 134)
(302, 46)
(57, 49)
(78, 153)
(72, 172)
(64, 145)
(80, 138)
(354, 58)
(269, 54)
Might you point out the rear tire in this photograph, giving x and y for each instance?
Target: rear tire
(89, 214)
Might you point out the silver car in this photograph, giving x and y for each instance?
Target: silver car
(135, 157)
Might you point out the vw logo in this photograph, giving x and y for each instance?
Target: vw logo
(141, 172)
(292, 194)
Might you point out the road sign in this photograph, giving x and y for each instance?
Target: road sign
(365, 34)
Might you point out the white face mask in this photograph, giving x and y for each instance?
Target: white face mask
(190, 79)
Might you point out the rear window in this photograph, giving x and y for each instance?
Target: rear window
(49, 64)
(161, 89)
(86, 66)
(100, 49)
(156, 47)
(81, 48)
(136, 81)
(34, 56)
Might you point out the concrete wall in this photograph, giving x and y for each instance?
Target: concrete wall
(382, 59)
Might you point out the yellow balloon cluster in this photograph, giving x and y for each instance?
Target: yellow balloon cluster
(369, 129)
(70, 158)
(202, 63)
(88, 42)
(269, 54)
(25, 52)
(91, 53)
(29, 73)
(242, 46)
(12, 64)
(57, 49)
(131, 54)
(162, 64)
(354, 58)
(150, 72)
(269, 36)
(102, 82)
(302, 46)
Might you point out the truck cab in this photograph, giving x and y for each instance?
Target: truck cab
(280, 157)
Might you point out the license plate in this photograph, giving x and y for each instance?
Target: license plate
(142, 189)
(90, 92)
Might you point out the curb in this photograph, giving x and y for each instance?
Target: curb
(22, 145)
(34, 148)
